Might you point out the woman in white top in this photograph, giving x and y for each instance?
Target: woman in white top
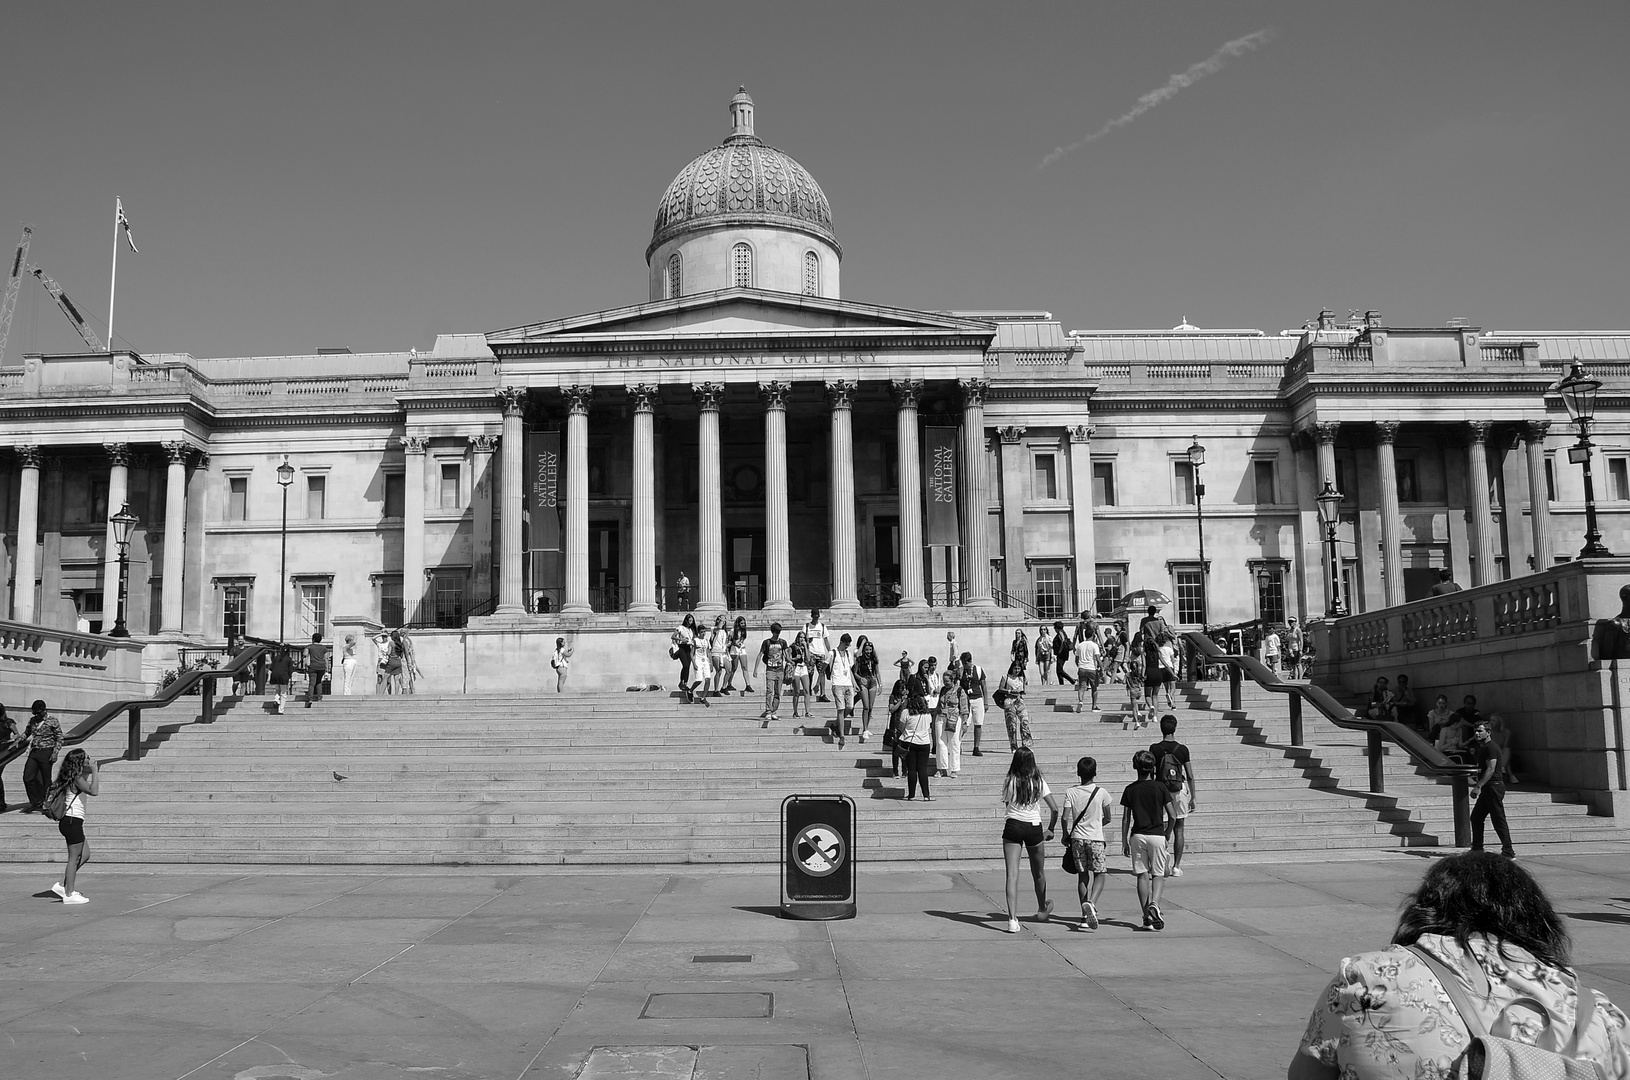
(562, 663)
(736, 653)
(816, 642)
(1023, 792)
(78, 776)
(348, 660)
(718, 654)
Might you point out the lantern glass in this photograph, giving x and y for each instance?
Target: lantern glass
(1329, 503)
(1578, 393)
(285, 472)
(123, 524)
(1197, 453)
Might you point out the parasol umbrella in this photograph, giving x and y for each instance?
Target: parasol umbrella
(1143, 598)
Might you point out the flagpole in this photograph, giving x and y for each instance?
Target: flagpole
(113, 285)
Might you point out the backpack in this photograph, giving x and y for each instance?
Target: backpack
(56, 807)
(1169, 770)
(773, 648)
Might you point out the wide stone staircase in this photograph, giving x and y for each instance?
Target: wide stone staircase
(642, 778)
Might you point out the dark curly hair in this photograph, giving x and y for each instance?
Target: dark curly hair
(1477, 892)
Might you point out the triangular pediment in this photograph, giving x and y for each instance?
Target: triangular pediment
(737, 314)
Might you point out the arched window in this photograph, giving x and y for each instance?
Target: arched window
(676, 279)
(741, 266)
(812, 274)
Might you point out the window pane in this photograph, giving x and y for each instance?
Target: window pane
(1408, 490)
(1044, 482)
(1341, 481)
(390, 602)
(674, 277)
(1190, 584)
(1185, 483)
(1618, 472)
(741, 259)
(1270, 595)
(449, 600)
(1050, 591)
(1103, 483)
(1550, 480)
(316, 497)
(313, 609)
(449, 487)
(812, 274)
(1263, 473)
(99, 501)
(237, 499)
(1110, 587)
(235, 611)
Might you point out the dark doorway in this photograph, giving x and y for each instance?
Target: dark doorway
(881, 590)
(1418, 582)
(605, 556)
(744, 568)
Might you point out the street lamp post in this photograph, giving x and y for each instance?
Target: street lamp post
(1578, 392)
(1329, 503)
(285, 477)
(1197, 458)
(123, 522)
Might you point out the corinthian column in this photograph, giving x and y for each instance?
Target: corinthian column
(482, 447)
(28, 532)
(413, 448)
(710, 502)
(510, 599)
(1477, 473)
(175, 534)
(840, 393)
(1539, 503)
(975, 527)
(118, 494)
(1086, 547)
(643, 600)
(577, 500)
(1392, 527)
(777, 571)
(907, 392)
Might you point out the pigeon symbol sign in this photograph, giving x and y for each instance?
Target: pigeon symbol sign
(818, 850)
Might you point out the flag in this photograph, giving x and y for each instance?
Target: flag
(124, 223)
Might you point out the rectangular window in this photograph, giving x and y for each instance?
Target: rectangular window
(1618, 479)
(1044, 478)
(449, 600)
(395, 495)
(449, 487)
(237, 498)
(390, 602)
(1550, 479)
(1270, 594)
(1103, 483)
(1341, 481)
(1349, 586)
(1262, 474)
(234, 611)
(1110, 587)
(1049, 590)
(1408, 489)
(1183, 488)
(313, 608)
(891, 465)
(1190, 588)
(155, 605)
(316, 497)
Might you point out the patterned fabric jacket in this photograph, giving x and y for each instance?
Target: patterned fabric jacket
(44, 735)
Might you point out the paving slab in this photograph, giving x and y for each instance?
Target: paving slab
(468, 973)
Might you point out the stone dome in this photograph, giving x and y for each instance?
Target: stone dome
(742, 181)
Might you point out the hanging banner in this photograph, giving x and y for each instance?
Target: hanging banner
(543, 489)
(939, 486)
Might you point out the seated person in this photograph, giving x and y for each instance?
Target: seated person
(1382, 704)
(1468, 710)
(1439, 718)
(1455, 741)
(1408, 707)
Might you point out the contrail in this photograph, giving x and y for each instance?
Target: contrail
(1209, 66)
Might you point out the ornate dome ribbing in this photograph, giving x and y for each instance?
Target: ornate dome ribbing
(743, 181)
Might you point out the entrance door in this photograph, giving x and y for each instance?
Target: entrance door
(605, 556)
(744, 568)
(880, 591)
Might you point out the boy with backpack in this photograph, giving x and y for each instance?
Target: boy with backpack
(1146, 824)
(973, 684)
(772, 654)
(1173, 769)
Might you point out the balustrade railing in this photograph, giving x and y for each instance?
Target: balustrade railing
(1527, 608)
(1445, 623)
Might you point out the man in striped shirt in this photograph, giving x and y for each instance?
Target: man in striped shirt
(44, 737)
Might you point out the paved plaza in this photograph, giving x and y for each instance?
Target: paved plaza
(460, 973)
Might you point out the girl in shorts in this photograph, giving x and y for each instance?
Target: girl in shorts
(868, 681)
(1023, 792)
(737, 652)
(78, 777)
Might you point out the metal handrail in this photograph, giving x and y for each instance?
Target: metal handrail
(1421, 752)
(204, 678)
(1008, 600)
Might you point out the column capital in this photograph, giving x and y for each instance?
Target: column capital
(577, 399)
(513, 399)
(1386, 430)
(1325, 431)
(484, 444)
(1534, 431)
(1080, 433)
(1012, 433)
(1477, 431)
(177, 452)
(415, 444)
(907, 392)
(709, 395)
(202, 461)
(973, 392)
(644, 397)
(118, 453)
(774, 394)
(28, 455)
(840, 393)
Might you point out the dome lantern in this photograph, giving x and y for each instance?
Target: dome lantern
(741, 114)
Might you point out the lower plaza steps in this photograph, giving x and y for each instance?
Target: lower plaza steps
(646, 779)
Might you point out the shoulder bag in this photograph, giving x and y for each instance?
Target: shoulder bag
(1491, 1058)
(1071, 864)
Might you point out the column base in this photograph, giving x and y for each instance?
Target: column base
(648, 607)
(914, 602)
(980, 602)
(711, 608)
(576, 608)
(846, 604)
(509, 609)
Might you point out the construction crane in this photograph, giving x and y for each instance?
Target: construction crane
(19, 267)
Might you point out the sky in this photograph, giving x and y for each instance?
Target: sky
(368, 175)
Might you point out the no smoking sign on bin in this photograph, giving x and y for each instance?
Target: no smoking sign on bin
(818, 857)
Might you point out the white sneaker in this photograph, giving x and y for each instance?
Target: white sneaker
(75, 898)
(1176, 871)
(56, 887)
(1013, 926)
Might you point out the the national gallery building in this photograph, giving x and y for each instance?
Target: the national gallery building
(749, 432)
